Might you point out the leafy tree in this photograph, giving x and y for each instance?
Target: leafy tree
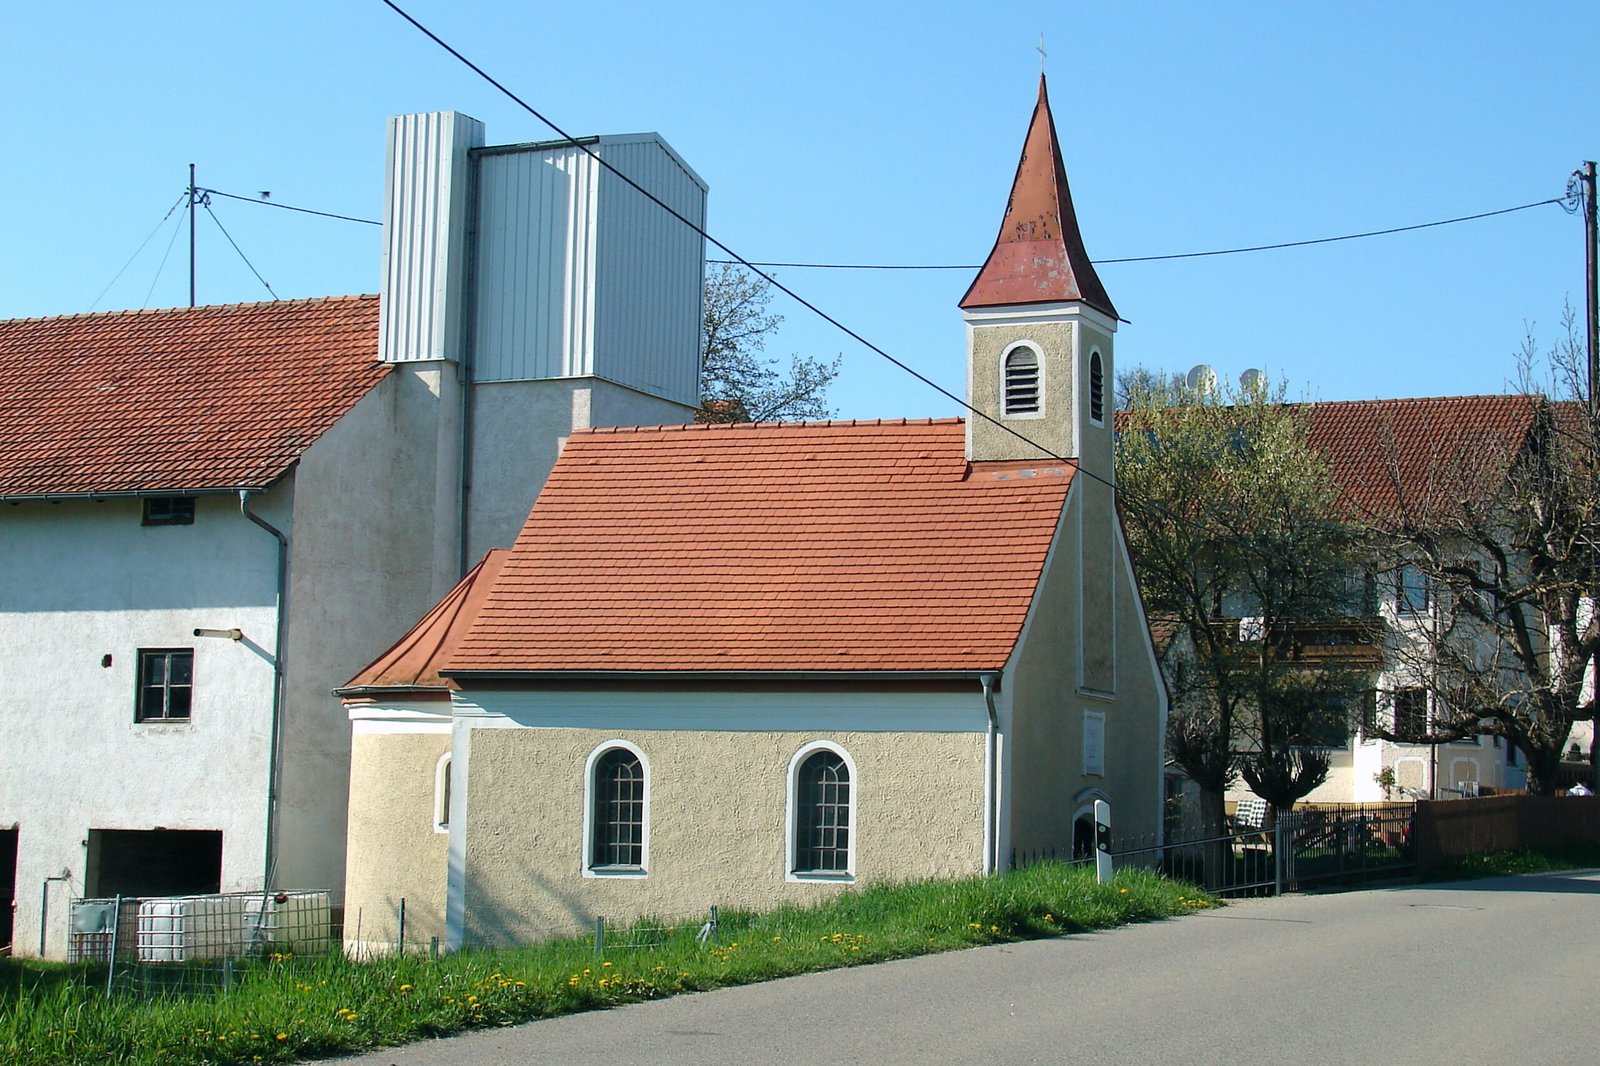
(737, 382)
(1233, 526)
(1506, 534)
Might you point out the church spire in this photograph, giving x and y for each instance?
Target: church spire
(1039, 256)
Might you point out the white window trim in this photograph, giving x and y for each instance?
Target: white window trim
(586, 859)
(791, 824)
(441, 796)
(1094, 354)
(1038, 354)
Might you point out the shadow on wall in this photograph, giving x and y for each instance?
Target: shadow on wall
(101, 558)
(541, 913)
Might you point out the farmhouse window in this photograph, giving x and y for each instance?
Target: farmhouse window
(166, 685)
(168, 511)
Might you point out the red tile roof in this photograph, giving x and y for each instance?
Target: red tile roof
(1385, 452)
(1039, 255)
(833, 546)
(1382, 451)
(412, 664)
(193, 399)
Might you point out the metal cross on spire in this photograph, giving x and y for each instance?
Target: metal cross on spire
(1042, 53)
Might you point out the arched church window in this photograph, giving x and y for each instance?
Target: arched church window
(1021, 381)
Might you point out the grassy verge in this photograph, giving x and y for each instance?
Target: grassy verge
(286, 1009)
(1531, 861)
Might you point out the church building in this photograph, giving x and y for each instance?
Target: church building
(752, 664)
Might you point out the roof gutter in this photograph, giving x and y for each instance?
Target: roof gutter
(125, 494)
(718, 675)
(270, 857)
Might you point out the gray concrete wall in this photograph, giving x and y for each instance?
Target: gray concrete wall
(363, 569)
(519, 428)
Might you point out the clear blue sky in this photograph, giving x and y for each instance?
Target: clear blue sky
(868, 133)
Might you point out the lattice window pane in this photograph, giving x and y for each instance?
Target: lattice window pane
(823, 825)
(618, 830)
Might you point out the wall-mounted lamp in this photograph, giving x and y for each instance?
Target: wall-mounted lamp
(221, 634)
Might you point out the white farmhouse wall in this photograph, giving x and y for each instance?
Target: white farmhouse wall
(82, 580)
(362, 570)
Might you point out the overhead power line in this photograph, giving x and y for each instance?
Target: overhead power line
(776, 264)
(286, 207)
(736, 259)
(775, 283)
(1175, 255)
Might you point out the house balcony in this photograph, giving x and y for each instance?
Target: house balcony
(1342, 641)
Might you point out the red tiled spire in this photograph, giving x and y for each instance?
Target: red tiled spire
(1038, 256)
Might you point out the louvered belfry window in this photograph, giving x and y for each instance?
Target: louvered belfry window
(1022, 382)
(1097, 388)
(823, 827)
(618, 827)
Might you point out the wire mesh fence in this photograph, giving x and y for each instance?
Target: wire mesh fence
(173, 945)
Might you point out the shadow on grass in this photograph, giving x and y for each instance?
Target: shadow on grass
(33, 977)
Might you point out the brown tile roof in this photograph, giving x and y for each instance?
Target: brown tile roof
(832, 546)
(189, 399)
(1385, 452)
(1039, 255)
(412, 664)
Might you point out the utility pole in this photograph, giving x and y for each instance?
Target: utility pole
(1591, 295)
(191, 256)
(1591, 283)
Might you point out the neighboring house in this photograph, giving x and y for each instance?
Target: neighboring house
(742, 665)
(215, 511)
(1385, 454)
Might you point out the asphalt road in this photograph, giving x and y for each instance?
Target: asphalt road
(1495, 971)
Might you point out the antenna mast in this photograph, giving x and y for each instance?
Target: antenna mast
(191, 234)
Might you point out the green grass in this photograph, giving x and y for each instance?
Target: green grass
(287, 1009)
(1530, 861)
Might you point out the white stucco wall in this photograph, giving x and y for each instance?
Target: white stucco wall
(79, 581)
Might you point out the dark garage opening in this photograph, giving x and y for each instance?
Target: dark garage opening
(8, 884)
(154, 862)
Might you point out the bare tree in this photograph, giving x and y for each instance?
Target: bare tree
(737, 382)
(1234, 530)
(1506, 533)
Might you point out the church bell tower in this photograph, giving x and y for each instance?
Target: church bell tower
(1040, 325)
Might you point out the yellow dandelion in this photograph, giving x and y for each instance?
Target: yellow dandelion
(283, 1036)
(405, 988)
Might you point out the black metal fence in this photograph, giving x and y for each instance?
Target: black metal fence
(1315, 848)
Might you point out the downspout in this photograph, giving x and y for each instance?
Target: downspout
(466, 372)
(270, 857)
(991, 857)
